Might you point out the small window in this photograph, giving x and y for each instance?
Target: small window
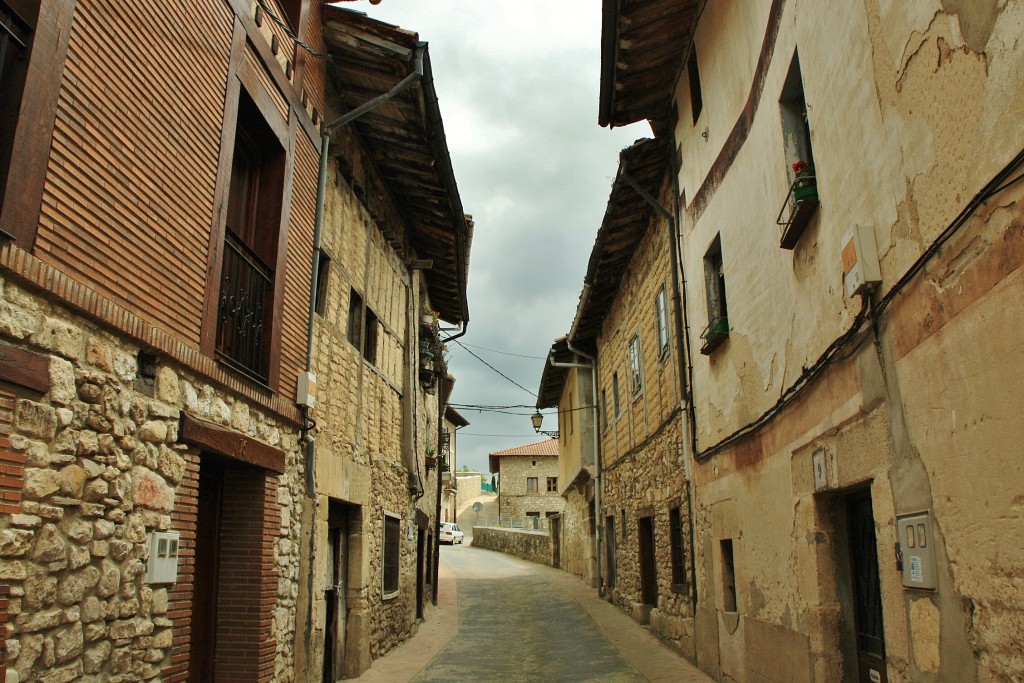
(370, 337)
(531, 485)
(662, 316)
(615, 394)
(636, 376)
(362, 327)
(796, 131)
(323, 276)
(714, 289)
(552, 484)
(675, 524)
(570, 415)
(604, 408)
(355, 320)
(696, 100)
(392, 550)
(728, 577)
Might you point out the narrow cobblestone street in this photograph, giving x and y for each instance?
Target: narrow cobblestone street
(501, 618)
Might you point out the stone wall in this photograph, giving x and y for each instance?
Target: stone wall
(534, 546)
(102, 468)
(576, 555)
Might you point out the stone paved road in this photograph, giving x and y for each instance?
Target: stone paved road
(516, 624)
(503, 619)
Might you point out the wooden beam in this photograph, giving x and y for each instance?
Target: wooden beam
(227, 442)
(24, 368)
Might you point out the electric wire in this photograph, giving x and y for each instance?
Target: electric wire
(505, 353)
(458, 343)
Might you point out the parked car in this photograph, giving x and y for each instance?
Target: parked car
(450, 533)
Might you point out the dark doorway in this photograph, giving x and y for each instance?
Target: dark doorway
(648, 567)
(867, 593)
(609, 545)
(203, 638)
(340, 518)
(421, 558)
(556, 541)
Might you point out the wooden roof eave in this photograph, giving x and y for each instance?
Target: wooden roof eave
(404, 139)
(625, 223)
(642, 48)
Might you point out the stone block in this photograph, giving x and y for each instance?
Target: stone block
(95, 656)
(29, 521)
(151, 491)
(50, 545)
(37, 621)
(68, 643)
(74, 587)
(61, 338)
(63, 674)
(154, 431)
(15, 542)
(78, 530)
(62, 381)
(165, 387)
(40, 483)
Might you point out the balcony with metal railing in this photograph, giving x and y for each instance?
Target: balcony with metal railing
(246, 292)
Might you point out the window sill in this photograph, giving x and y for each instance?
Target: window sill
(681, 588)
(716, 332)
(390, 595)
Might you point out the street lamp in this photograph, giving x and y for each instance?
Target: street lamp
(537, 420)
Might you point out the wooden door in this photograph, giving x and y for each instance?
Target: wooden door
(336, 594)
(867, 591)
(203, 638)
(648, 568)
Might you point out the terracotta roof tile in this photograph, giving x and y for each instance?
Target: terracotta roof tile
(545, 447)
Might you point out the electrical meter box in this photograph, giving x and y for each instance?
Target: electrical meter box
(163, 557)
(860, 260)
(916, 550)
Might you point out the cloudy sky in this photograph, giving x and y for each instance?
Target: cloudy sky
(517, 82)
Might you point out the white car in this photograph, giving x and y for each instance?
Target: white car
(450, 533)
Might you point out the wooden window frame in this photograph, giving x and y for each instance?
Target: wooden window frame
(661, 315)
(22, 198)
(677, 548)
(533, 485)
(616, 403)
(636, 372)
(552, 484)
(323, 277)
(243, 74)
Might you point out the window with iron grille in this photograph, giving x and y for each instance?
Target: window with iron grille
(245, 307)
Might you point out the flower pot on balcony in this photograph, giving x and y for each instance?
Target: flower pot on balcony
(805, 190)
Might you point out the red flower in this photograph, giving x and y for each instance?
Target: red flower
(799, 166)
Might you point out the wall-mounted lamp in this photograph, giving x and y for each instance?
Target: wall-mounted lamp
(538, 420)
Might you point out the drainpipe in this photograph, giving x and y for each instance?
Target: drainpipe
(599, 522)
(308, 424)
(686, 405)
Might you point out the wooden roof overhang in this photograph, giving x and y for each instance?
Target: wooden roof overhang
(625, 222)
(405, 141)
(643, 43)
(552, 380)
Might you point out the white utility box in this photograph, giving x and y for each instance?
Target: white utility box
(860, 260)
(163, 557)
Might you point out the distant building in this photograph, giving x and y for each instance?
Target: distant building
(528, 482)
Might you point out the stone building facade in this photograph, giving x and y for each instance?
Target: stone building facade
(156, 271)
(528, 481)
(145, 424)
(567, 384)
(370, 532)
(626, 321)
(851, 251)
